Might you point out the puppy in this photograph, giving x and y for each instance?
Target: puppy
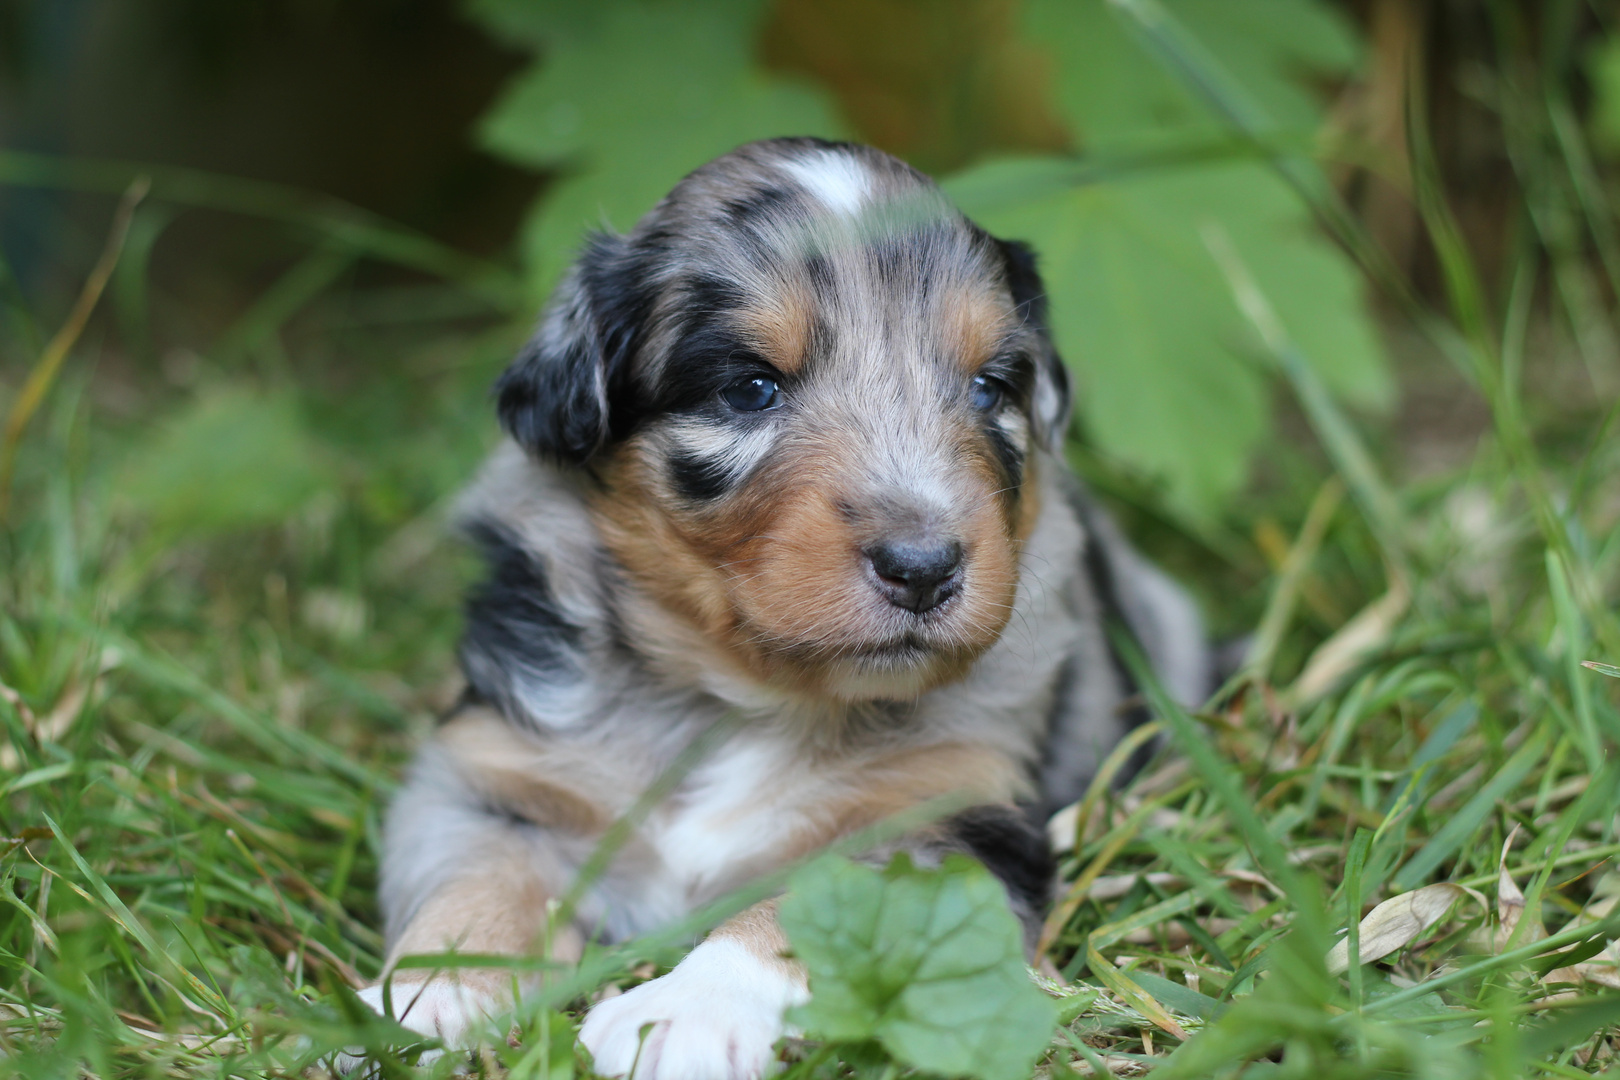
(788, 453)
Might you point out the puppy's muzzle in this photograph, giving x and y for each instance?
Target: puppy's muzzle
(917, 573)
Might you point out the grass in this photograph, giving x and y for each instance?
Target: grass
(206, 698)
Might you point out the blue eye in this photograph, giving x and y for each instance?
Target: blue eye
(986, 393)
(752, 395)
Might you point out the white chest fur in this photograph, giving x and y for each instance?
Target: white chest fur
(737, 814)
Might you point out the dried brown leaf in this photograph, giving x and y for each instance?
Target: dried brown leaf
(1399, 921)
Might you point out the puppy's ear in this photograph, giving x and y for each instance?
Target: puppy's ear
(558, 399)
(1050, 401)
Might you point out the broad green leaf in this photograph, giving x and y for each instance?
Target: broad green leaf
(1145, 318)
(1142, 311)
(930, 963)
(232, 460)
(626, 99)
(1116, 95)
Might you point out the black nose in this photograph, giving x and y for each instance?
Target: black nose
(916, 574)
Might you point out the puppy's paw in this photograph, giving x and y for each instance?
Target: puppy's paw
(717, 1016)
(452, 1011)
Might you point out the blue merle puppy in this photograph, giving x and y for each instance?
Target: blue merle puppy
(787, 453)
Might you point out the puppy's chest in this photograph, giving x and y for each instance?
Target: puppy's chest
(761, 802)
(746, 805)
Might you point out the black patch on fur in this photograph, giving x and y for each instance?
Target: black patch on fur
(762, 203)
(818, 270)
(1063, 688)
(703, 363)
(698, 479)
(710, 296)
(515, 629)
(566, 394)
(1013, 848)
(1008, 455)
(708, 355)
(1029, 298)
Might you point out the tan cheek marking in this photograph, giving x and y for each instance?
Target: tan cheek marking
(805, 566)
(679, 564)
(648, 544)
(991, 534)
(785, 554)
(499, 765)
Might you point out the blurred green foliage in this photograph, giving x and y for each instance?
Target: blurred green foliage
(232, 460)
(626, 96)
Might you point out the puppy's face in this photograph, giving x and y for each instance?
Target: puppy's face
(811, 391)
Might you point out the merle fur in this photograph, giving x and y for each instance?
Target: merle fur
(1029, 298)
(515, 629)
(567, 398)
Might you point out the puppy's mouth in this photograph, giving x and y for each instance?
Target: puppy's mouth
(913, 650)
(902, 652)
(898, 650)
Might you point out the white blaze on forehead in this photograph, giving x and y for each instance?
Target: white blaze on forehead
(836, 179)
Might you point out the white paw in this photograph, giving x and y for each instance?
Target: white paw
(449, 1011)
(717, 1016)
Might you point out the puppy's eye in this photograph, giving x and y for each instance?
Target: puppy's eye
(752, 395)
(987, 392)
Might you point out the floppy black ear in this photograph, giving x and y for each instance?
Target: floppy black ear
(557, 399)
(1050, 402)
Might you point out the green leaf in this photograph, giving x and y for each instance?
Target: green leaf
(234, 459)
(1183, 999)
(1115, 95)
(1145, 318)
(629, 97)
(1140, 308)
(928, 962)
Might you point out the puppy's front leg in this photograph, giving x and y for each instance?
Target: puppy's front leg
(497, 905)
(717, 1016)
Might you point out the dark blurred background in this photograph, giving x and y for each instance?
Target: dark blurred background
(370, 101)
(375, 101)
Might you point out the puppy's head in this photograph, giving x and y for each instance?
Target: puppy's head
(811, 391)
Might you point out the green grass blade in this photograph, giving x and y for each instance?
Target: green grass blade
(1338, 435)
(1461, 825)
(1572, 632)
(1225, 785)
(126, 920)
(344, 223)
